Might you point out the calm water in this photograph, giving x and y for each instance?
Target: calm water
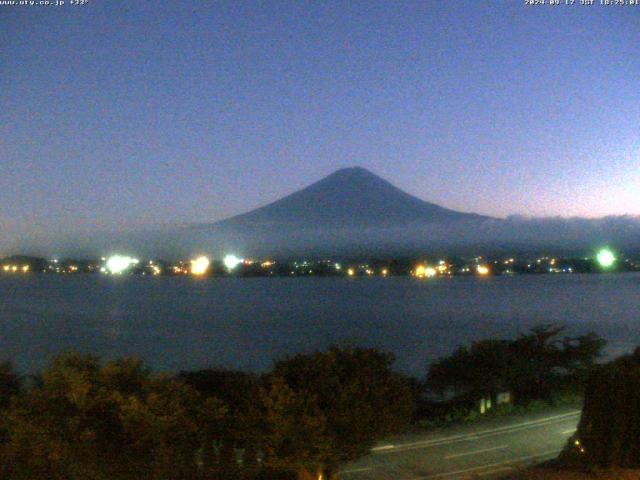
(183, 323)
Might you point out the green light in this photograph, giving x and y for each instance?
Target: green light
(605, 258)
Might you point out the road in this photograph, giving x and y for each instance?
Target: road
(487, 450)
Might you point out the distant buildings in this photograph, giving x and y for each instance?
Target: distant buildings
(231, 265)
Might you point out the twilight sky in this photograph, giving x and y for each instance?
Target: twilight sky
(118, 115)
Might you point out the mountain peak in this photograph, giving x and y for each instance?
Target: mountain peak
(352, 196)
(353, 171)
(355, 174)
(351, 179)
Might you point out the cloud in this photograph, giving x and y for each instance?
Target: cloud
(491, 236)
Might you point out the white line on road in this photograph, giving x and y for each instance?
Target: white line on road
(474, 435)
(571, 430)
(474, 452)
(383, 447)
(356, 470)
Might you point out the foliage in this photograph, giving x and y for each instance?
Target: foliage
(9, 384)
(9, 389)
(609, 430)
(328, 407)
(296, 436)
(242, 427)
(533, 366)
(87, 421)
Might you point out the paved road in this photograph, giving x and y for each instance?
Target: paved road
(486, 450)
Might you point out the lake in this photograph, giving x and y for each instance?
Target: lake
(176, 323)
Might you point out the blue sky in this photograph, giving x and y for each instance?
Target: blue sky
(119, 115)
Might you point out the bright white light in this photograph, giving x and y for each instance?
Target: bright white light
(119, 263)
(231, 261)
(606, 258)
(200, 265)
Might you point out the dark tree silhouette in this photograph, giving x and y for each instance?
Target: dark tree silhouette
(609, 430)
(532, 366)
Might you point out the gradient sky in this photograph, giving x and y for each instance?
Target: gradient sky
(118, 115)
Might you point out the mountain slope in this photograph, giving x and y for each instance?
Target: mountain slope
(349, 197)
(353, 211)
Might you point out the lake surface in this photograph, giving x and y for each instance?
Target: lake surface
(176, 323)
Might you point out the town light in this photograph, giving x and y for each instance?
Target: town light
(117, 264)
(423, 271)
(605, 258)
(482, 270)
(200, 265)
(231, 261)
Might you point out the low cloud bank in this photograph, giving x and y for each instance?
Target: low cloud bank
(514, 234)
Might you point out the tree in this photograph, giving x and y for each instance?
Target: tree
(84, 420)
(537, 363)
(532, 366)
(296, 436)
(10, 387)
(326, 408)
(9, 384)
(478, 370)
(609, 430)
(242, 425)
(580, 356)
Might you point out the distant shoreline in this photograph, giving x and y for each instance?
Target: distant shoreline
(421, 266)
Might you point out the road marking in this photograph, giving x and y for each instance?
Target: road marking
(456, 455)
(474, 435)
(383, 447)
(356, 470)
(499, 465)
(571, 430)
